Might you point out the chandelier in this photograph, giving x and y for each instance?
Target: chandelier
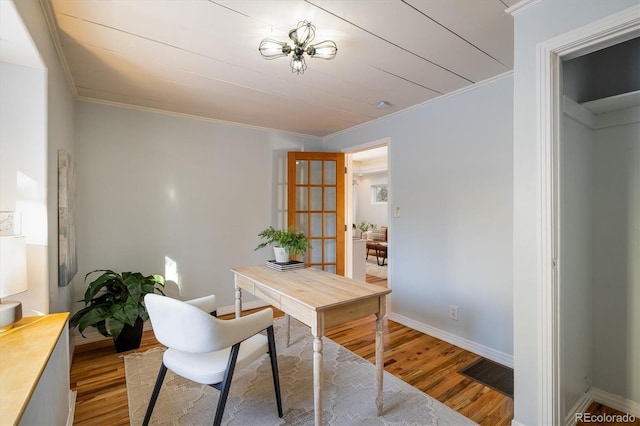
(301, 36)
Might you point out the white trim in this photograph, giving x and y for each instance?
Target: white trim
(620, 117)
(613, 103)
(521, 6)
(548, 347)
(594, 394)
(580, 406)
(192, 117)
(49, 16)
(92, 335)
(72, 407)
(460, 91)
(593, 36)
(578, 112)
(469, 345)
(616, 402)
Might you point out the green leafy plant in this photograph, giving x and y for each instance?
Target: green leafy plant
(290, 239)
(115, 299)
(365, 226)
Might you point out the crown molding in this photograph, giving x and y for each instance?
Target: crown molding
(192, 117)
(57, 44)
(521, 6)
(460, 91)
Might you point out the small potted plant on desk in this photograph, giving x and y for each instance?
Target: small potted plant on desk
(113, 305)
(286, 242)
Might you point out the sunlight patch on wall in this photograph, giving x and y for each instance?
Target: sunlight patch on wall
(171, 271)
(32, 210)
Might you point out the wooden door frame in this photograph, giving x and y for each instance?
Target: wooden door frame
(340, 203)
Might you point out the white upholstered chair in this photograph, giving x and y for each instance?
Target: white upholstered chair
(207, 350)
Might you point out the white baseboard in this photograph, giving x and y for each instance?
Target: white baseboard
(72, 407)
(615, 401)
(92, 335)
(485, 351)
(516, 423)
(579, 407)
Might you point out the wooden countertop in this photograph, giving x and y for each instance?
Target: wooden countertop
(24, 352)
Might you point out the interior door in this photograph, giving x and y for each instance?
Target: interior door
(316, 206)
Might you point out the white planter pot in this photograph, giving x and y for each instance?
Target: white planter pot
(281, 255)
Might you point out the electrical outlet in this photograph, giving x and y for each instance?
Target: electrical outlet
(453, 312)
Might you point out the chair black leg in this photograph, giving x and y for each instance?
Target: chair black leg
(154, 394)
(274, 368)
(226, 384)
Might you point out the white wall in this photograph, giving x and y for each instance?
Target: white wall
(152, 186)
(616, 260)
(366, 210)
(23, 172)
(534, 25)
(450, 171)
(59, 134)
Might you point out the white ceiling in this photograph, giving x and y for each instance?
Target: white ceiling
(201, 57)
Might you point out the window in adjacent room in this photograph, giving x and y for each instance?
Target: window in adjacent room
(379, 194)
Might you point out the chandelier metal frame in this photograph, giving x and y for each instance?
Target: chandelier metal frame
(301, 36)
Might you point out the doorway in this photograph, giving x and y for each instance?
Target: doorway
(573, 194)
(368, 193)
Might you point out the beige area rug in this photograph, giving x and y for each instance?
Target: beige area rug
(372, 267)
(349, 391)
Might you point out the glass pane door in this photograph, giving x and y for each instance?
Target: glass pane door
(316, 206)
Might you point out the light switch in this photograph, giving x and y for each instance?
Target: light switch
(396, 211)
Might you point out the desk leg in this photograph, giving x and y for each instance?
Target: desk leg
(238, 301)
(380, 354)
(317, 330)
(287, 326)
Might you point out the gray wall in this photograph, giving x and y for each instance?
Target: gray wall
(450, 172)
(154, 186)
(616, 260)
(575, 258)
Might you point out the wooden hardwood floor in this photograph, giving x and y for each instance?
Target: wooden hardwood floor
(429, 364)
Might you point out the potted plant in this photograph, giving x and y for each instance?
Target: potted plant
(286, 242)
(365, 227)
(113, 305)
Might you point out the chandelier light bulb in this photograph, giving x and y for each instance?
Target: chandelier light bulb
(272, 49)
(298, 64)
(303, 34)
(324, 50)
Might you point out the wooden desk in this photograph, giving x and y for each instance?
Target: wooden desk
(318, 299)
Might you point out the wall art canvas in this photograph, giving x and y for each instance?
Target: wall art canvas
(67, 254)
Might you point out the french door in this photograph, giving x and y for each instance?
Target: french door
(316, 206)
